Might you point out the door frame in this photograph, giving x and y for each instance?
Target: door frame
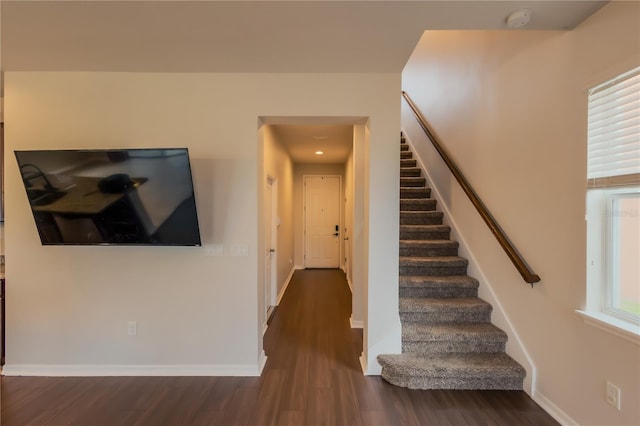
(271, 258)
(340, 217)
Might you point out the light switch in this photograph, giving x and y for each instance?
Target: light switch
(240, 250)
(214, 250)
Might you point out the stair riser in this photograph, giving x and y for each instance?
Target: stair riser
(412, 182)
(432, 347)
(426, 204)
(414, 193)
(409, 172)
(448, 316)
(485, 383)
(433, 262)
(405, 155)
(438, 293)
(432, 271)
(428, 251)
(408, 163)
(404, 147)
(425, 234)
(423, 218)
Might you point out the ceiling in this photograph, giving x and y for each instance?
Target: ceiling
(246, 36)
(239, 36)
(302, 142)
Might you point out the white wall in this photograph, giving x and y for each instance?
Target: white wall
(511, 108)
(68, 307)
(278, 165)
(348, 191)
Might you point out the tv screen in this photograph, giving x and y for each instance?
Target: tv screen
(116, 196)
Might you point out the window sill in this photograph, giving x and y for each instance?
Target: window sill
(612, 325)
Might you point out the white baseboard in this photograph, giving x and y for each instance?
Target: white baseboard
(553, 410)
(287, 281)
(363, 364)
(43, 370)
(262, 360)
(356, 324)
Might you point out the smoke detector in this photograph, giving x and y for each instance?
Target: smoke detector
(519, 18)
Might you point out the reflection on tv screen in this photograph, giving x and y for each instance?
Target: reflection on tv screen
(123, 196)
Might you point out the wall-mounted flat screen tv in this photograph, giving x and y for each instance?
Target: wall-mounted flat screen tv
(115, 196)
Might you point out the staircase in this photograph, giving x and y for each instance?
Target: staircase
(448, 341)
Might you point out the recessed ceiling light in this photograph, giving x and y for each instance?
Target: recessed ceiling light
(319, 152)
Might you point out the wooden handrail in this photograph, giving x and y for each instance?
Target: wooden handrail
(497, 231)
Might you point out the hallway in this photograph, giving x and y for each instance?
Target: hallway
(312, 377)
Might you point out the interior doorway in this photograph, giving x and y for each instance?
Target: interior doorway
(295, 154)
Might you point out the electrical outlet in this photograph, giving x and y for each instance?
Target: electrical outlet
(132, 328)
(613, 395)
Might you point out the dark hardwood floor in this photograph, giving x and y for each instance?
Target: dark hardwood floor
(312, 377)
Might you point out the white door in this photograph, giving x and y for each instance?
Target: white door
(322, 221)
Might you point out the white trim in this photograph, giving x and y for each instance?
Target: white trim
(286, 283)
(355, 323)
(493, 299)
(350, 285)
(82, 370)
(363, 364)
(553, 410)
(612, 325)
(262, 360)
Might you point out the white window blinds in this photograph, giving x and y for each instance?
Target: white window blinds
(614, 132)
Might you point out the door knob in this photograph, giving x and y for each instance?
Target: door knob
(272, 250)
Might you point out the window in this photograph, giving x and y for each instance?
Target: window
(613, 201)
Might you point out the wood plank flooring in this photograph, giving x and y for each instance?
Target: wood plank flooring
(312, 377)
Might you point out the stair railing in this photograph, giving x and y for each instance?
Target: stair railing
(488, 218)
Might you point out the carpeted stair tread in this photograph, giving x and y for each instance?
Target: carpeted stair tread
(433, 265)
(439, 310)
(443, 338)
(439, 281)
(453, 371)
(438, 286)
(434, 261)
(410, 172)
(415, 193)
(404, 147)
(408, 163)
(426, 248)
(452, 332)
(406, 154)
(424, 304)
(412, 182)
(419, 204)
(424, 232)
(421, 217)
